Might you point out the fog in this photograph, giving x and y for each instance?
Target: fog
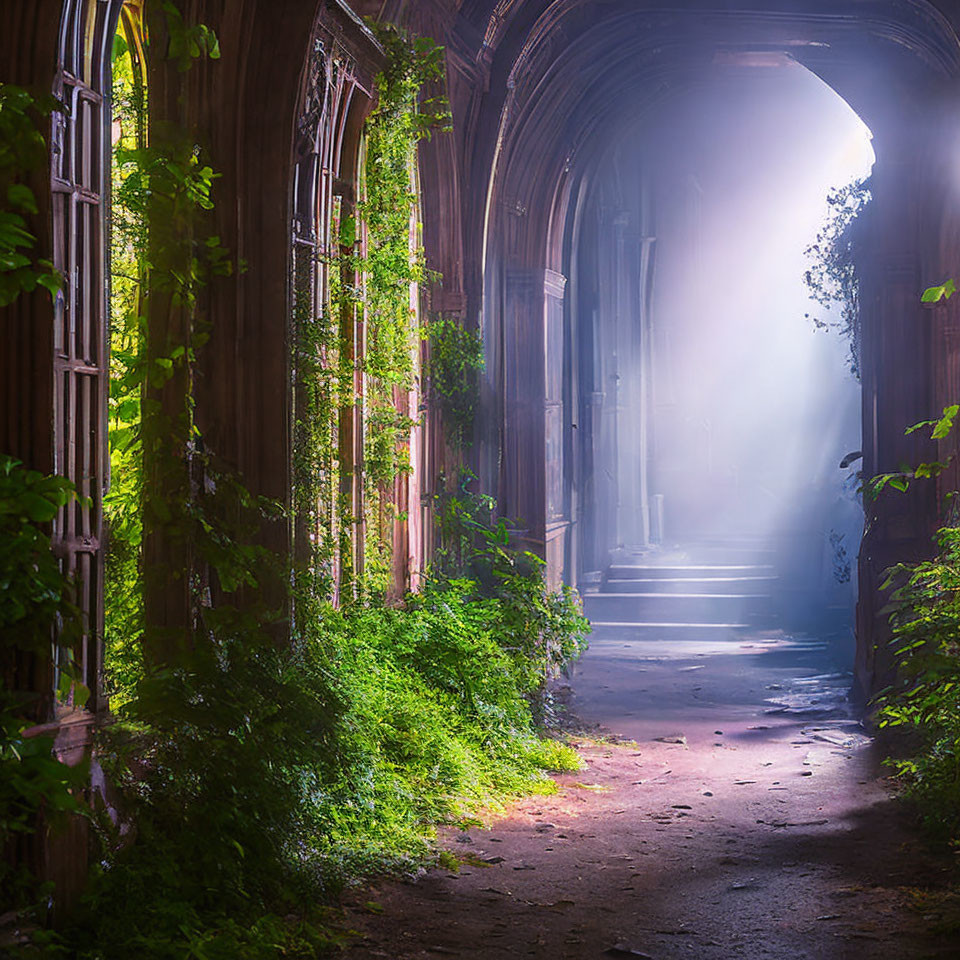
(746, 408)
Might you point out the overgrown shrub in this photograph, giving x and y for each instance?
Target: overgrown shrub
(543, 628)
(925, 616)
(255, 779)
(34, 594)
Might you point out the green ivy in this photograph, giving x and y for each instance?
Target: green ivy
(23, 149)
(34, 594)
(123, 502)
(391, 262)
(456, 359)
(925, 616)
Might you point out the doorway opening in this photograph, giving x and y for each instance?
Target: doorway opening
(716, 400)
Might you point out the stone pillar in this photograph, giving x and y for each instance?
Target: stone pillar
(898, 390)
(522, 476)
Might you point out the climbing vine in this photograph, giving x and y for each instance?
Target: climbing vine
(123, 502)
(34, 593)
(455, 360)
(390, 263)
(832, 278)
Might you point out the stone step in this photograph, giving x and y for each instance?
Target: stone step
(677, 607)
(738, 585)
(607, 633)
(703, 571)
(731, 554)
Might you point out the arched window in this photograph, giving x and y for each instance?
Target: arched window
(327, 323)
(80, 152)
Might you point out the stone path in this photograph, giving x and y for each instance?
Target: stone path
(749, 819)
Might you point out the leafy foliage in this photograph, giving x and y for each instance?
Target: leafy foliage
(188, 42)
(924, 613)
(901, 479)
(941, 291)
(542, 628)
(456, 357)
(33, 594)
(388, 257)
(34, 591)
(925, 616)
(123, 502)
(22, 150)
(373, 277)
(832, 277)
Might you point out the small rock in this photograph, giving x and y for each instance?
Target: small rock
(672, 738)
(621, 951)
(718, 733)
(493, 860)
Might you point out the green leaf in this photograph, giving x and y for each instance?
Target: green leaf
(927, 470)
(942, 291)
(52, 281)
(21, 197)
(120, 47)
(37, 508)
(13, 261)
(945, 423)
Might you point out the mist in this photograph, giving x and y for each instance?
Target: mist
(733, 410)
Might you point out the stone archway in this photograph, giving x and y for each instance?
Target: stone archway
(578, 70)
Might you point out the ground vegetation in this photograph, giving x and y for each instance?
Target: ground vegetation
(924, 700)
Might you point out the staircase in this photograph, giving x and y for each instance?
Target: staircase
(711, 591)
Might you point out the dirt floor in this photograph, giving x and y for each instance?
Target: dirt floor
(749, 818)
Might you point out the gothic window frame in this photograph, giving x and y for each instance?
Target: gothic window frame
(80, 185)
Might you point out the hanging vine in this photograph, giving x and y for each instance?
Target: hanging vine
(391, 264)
(456, 359)
(832, 279)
